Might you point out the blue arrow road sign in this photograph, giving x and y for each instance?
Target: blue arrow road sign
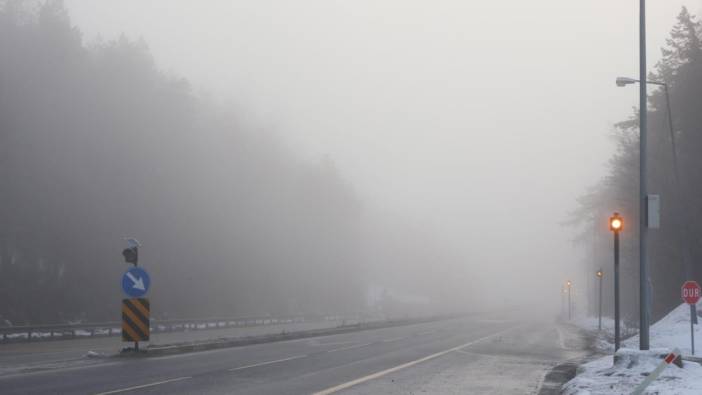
(136, 282)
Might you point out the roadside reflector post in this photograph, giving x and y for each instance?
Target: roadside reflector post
(670, 358)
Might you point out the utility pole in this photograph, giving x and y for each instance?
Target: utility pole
(644, 290)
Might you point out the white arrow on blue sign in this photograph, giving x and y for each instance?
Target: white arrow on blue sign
(136, 282)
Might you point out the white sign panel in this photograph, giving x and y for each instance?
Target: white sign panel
(654, 211)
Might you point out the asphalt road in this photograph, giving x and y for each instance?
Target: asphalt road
(475, 354)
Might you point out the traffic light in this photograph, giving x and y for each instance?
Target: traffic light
(599, 274)
(131, 255)
(616, 223)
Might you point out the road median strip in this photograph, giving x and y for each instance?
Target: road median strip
(181, 348)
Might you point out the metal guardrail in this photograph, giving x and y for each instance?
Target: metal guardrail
(112, 328)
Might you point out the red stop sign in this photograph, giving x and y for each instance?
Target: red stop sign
(691, 292)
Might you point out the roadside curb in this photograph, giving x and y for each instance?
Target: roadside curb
(560, 374)
(556, 377)
(182, 348)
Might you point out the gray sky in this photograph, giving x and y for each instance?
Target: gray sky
(480, 120)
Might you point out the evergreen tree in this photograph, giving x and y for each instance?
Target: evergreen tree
(675, 250)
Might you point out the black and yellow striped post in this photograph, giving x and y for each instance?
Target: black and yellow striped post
(135, 320)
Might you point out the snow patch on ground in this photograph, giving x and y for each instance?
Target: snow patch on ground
(672, 331)
(603, 339)
(630, 367)
(95, 354)
(621, 373)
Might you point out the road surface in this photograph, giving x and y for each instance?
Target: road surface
(474, 354)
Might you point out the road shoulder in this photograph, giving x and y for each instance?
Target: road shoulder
(559, 375)
(515, 362)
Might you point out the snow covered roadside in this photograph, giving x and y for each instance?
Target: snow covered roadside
(604, 339)
(621, 373)
(673, 330)
(630, 366)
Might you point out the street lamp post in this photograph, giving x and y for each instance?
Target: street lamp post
(624, 81)
(685, 251)
(570, 305)
(616, 223)
(599, 275)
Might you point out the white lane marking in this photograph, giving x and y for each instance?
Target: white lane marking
(426, 333)
(403, 366)
(350, 347)
(394, 339)
(314, 343)
(267, 362)
(136, 387)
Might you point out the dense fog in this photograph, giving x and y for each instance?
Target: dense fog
(313, 157)
(99, 144)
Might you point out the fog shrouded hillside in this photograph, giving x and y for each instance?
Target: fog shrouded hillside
(99, 144)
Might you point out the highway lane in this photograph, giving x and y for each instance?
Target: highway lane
(337, 363)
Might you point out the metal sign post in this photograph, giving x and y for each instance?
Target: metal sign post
(691, 292)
